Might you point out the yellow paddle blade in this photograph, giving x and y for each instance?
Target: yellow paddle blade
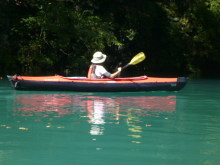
(137, 59)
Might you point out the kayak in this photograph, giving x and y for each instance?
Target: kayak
(83, 84)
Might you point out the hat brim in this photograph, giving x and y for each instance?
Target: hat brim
(95, 61)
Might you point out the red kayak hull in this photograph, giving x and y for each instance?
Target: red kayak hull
(81, 84)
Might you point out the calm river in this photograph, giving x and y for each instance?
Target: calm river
(145, 128)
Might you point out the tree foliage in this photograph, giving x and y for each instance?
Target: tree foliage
(59, 36)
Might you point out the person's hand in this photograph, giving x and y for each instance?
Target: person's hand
(119, 69)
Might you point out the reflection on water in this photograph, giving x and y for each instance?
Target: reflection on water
(65, 104)
(99, 110)
(111, 128)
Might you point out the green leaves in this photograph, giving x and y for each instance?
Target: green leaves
(59, 35)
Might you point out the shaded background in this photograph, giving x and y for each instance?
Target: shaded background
(44, 37)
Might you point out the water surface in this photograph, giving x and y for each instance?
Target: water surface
(155, 128)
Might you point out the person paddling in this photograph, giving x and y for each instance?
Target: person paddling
(97, 70)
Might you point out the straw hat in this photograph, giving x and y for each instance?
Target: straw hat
(98, 58)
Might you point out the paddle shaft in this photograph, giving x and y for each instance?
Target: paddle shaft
(124, 67)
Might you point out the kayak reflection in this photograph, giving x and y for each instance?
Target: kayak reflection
(95, 107)
(96, 110)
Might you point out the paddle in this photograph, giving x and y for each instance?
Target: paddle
(135, 60)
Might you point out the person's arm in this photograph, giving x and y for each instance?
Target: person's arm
(109, 75)
(113, 75)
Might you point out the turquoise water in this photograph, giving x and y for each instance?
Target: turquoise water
(68, 128)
